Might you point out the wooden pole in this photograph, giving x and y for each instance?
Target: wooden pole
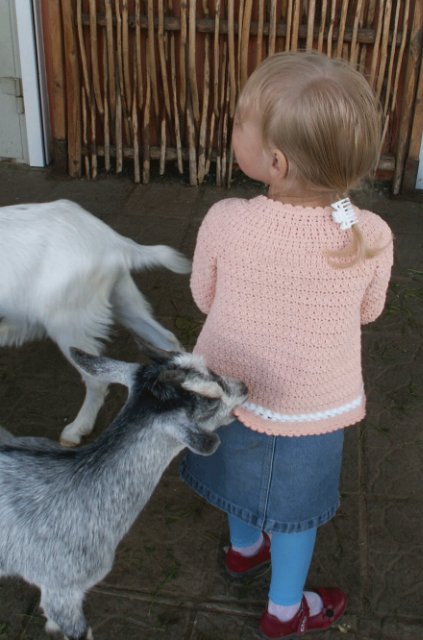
(125, 58)
(295, 24)
(310, 24)
(146, 127)
(231, 50)
(162, 56)
(225, 132)
(152, 56)
(404, 40)
(272, 28)
(183, 57)
(376, 50)
(238, 49)
(354, 44)
(288, 25)
(162, 159)
(106, 120)
(230, 167)
(192, 67)
(260, 27)
(245, 40)
(219, 145)
(409, 96)
(175, 105)
(94, 56)
(118, 133)
(202, 143)
(85, 131)
(322, 25)
(192, 154)
(110, 56)
(391, 59)
(412, 163)
(384, 47)
(93, 140)
(119, 61)
(138, 58)
(211, 139)
(341, 31)
(134, 118)
(54, 34)
(216, 55)
(73, 99)
(331, 28)
(82, 54)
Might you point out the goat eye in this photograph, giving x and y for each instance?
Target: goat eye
(212, 405)
(209, 407)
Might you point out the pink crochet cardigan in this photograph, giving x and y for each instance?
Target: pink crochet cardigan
(281, 318)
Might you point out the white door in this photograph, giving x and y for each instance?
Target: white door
(419, 182)
(12, 120)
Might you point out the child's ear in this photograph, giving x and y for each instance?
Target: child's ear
(279, 168)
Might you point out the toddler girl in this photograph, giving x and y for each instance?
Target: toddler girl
(286, 280)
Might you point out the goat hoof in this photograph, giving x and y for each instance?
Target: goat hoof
(68, 444)
(52, 628)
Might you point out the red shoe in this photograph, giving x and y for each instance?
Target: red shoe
(238, 565)
(334, 603)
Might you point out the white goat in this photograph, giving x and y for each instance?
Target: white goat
(64, 511)
(65, 274)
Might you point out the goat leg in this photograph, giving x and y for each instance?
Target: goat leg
(63, 610)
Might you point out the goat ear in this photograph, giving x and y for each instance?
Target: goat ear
(202, 442)
(205, 388)
(105, 369)
(152, 352)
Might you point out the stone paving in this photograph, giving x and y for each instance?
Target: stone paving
(168, 580)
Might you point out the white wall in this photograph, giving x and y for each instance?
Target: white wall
(24, 119)
(12, 120)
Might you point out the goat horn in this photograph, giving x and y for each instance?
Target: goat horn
(172, 377)
(151, 351)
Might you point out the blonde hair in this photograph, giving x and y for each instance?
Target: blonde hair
(323, 115)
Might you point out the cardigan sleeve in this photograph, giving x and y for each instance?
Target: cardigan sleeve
(375, 296)
(204, 264)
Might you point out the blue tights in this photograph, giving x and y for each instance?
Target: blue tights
(291, 555)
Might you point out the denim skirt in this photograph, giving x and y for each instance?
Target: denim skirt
(275, 483)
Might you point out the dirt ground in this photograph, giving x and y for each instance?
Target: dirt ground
(168, 580)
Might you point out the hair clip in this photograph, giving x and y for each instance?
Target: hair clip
(344, 214)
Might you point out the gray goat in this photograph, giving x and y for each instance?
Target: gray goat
(64, 511)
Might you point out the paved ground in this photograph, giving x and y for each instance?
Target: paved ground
(168, 581)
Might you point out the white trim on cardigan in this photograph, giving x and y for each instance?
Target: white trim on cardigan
(268, 414)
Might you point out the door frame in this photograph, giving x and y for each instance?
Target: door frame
(34, 85)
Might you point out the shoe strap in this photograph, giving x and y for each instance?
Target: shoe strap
(303, 617)
(326, 597)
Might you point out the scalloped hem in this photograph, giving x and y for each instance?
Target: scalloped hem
(294, 429)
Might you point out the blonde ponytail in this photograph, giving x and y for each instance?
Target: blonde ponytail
(355, 252)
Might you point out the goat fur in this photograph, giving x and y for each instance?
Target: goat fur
(65, 274)
(64, 511)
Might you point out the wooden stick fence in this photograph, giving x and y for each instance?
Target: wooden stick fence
(158, 80)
